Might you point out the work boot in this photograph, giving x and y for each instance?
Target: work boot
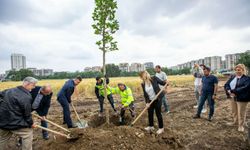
(196, 116)
(46, 137)
(121, 121)
(160, 131)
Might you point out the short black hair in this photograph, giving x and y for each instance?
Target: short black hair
(158, 66)
(97, 78)
(79, 78)
(207, 68)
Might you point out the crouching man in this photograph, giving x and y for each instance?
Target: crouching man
(15, 114)
(127, 100)
(41, 103)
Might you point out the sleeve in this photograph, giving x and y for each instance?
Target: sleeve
(47, 105)
(25, 106)
(69, 92)
(160, 81)
(216, 81)
(113, 90)
(97, 92)
(145, 94)
(130, 98)
(227, 84)
(242, 89)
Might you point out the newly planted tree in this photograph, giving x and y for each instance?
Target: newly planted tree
(105, 25)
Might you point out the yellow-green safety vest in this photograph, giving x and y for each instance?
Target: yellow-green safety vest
(101, 90)
(126, 95)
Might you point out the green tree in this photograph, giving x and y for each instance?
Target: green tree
(19, 75)
(245, 59)
(105, 25)
(112, 70)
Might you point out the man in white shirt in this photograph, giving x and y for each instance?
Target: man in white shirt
(162, 75)
(197, 72)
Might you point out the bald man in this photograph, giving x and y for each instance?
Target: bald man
(41, 103)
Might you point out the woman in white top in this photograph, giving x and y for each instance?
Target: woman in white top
(151, 88)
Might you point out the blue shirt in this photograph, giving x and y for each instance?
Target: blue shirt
(208, 83)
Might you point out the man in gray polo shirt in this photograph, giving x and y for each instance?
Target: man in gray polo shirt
(162, 75)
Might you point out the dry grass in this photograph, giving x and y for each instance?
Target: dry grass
(86, 88)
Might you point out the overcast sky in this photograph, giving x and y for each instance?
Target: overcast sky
(57, 34)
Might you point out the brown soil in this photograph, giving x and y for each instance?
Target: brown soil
(181, 131)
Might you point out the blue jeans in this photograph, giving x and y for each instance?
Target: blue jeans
(45, 125)
(165, 103)
(66, 111)
(203, 98)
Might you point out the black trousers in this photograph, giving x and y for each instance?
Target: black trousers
(111, 101)
(131, 109)
(155, 106)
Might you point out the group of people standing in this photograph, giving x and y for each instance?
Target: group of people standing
(237, 89)
(17, 104)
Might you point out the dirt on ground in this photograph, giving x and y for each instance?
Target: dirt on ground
(181, 130)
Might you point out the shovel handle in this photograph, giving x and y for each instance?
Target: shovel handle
(78, 118)
(51, 123)
(52, 131)
(146, 108)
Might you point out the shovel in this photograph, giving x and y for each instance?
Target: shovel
(81, 123)
(68, 136)
(51, 123)
(146, 108)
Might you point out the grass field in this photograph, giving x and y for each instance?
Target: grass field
(86, 88)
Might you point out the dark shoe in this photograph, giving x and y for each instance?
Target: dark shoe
(46, 137)
(196, 116)
(210, 119)
(73, 126)
(122, 121)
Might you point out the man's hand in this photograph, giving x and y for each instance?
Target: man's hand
(232, 95)
(147, 105)
(43, 118)
(33, 126)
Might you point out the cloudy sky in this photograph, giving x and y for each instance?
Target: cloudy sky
(57, 34)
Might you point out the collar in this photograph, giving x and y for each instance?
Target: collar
(23, 89)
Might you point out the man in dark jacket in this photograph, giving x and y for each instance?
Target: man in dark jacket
(99, 91)
(64, 98)
(41, 103)
(15, 114)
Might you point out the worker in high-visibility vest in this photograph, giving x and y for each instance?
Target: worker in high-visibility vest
(127, 100)
(99, 91)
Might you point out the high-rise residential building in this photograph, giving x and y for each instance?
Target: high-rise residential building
(213, 62)
(41, 72)
(149, 65)
(18, 61)
(87, 69)
(231, 60)
(124, 67)
(201, 61)
(223, 64)
(136, 67)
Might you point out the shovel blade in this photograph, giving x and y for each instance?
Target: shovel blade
(82, 124)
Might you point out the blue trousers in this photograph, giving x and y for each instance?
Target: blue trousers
(45, 125)
(66, 111)
(206, 96)
(165, 103)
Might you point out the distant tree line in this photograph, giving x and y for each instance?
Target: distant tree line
(112, 71)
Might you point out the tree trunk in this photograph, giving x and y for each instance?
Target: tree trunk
(105, 89)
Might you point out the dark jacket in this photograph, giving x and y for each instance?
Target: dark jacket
(66, 91)
(44, 105)
(242, 90)
(15, 109)
(155, 83)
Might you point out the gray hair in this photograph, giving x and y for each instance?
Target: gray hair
(29, 80)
